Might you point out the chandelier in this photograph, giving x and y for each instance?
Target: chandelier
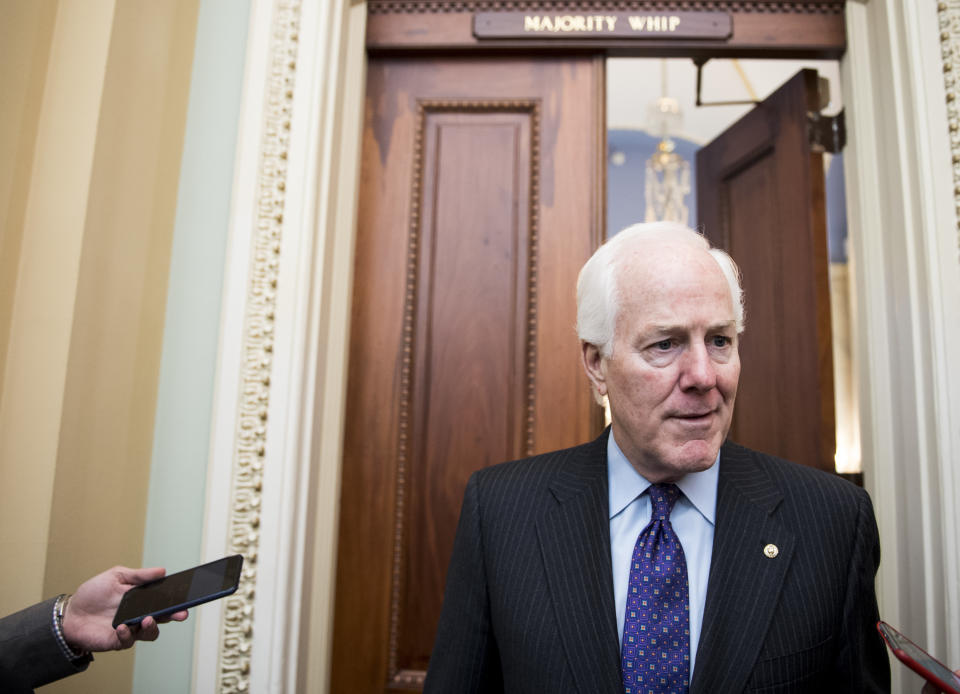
(667, 179)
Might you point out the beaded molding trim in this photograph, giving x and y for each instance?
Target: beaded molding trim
(236, 633)
(759, 6)
(948, 13)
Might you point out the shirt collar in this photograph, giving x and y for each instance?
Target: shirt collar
(625, 484)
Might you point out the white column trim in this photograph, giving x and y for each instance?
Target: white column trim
(868, 268)
(940, 134)
(322, 423)
(274, 472)
(903, 230)
(228, 401)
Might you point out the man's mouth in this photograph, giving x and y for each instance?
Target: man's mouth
(693, 417)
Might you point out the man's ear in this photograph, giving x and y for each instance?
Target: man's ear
(594, 366)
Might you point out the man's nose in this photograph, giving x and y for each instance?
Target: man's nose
(697, 370)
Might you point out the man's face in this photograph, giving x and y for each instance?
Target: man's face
(672, 377)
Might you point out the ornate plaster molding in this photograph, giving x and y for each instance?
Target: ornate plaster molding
(949, 15)
(250, 443)
(762, 6)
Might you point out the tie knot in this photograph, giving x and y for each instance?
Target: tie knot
(663, 497)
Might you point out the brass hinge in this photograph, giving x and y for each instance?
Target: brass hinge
(827, 133)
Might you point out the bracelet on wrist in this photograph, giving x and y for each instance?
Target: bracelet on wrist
(59, 607)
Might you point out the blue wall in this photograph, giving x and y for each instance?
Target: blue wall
(626, 183)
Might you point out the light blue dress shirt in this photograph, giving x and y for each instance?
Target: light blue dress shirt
(693, 518)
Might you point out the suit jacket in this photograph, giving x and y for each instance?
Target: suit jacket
(529, 601)
(29, 654)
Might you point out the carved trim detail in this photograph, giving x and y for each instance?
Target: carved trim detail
(532, 279)
(406, 680)
(236, 633)
(949, 16)
(414, 678)
(751, 6)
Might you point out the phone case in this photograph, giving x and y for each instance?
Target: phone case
(896, 640)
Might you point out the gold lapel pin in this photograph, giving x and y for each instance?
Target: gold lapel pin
(771, 550)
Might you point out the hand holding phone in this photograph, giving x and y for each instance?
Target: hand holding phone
(86, 616)
(918, 660)
(180, 591)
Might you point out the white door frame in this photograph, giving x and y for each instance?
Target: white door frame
(274, 474)
(902, 200)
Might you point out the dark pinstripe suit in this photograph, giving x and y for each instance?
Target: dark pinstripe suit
(529, 599)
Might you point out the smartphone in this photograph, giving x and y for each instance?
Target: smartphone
(179, 591)
(919, 660)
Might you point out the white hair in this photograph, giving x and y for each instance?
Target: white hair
(598, 298)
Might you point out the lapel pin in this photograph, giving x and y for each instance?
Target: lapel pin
(771, 550)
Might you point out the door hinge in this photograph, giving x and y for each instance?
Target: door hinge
(827, 133)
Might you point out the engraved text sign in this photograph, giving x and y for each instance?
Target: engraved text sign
(585, 25)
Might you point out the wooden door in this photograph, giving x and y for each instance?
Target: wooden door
(481, 197)
(760, 194)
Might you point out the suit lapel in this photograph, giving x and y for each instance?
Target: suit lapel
(745, 583)
(574, 538)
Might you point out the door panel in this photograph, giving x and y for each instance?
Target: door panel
(761, 197)
(470, 339)
(480, 199)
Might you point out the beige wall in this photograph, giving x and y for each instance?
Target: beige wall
(42, 301)
(93, 120)
(25, 32)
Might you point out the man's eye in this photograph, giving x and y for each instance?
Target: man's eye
(720, 340)
(664, 345)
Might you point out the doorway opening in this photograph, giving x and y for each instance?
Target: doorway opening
(655, 128)
(482, 195)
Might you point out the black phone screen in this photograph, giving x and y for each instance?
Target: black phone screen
(180, 590)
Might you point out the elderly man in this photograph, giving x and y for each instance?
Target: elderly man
(660, 557)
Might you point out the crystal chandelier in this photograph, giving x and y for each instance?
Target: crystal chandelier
(667, 179)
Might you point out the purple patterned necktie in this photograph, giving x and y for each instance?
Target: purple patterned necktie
(656, 629)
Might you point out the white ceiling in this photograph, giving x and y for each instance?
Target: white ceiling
(633, 84)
